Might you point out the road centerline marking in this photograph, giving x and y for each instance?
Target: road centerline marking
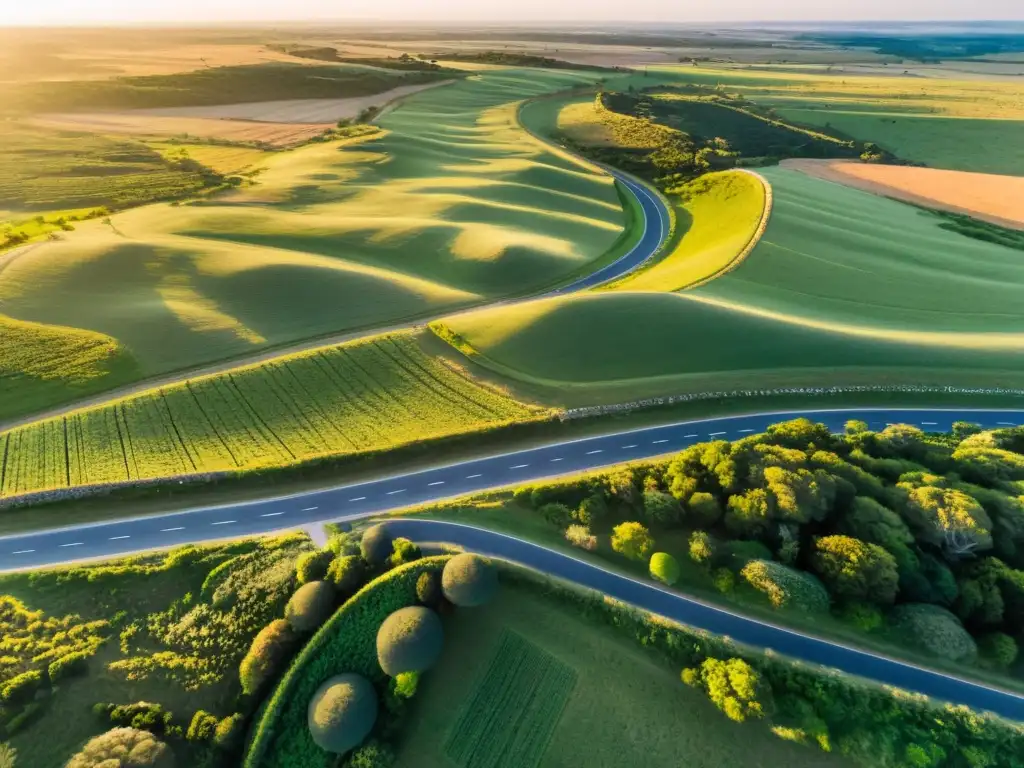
(118, 538)
(519, 466)
(74, 544)
(717, 434)
(628, 447)
(23, 552)
(168, 530)
(392, 493)
(224, 522)
(358, 498)
(658, 442)
(591, 453)
(473, 477)
(310, 509)
(275, 514)
(439, 482)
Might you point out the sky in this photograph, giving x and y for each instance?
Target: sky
(75, 12)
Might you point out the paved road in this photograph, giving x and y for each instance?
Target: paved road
(351, 502)
(694, 613)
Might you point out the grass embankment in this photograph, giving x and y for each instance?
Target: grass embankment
(173, 635)
(453, 204)
(624, 707)
(360, 397)
(970, 125)
(845, 288)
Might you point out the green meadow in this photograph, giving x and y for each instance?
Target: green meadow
(452, 205)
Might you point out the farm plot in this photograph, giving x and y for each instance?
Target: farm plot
(508, 721)
(364, 396)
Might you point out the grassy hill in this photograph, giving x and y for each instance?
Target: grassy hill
(453, 205)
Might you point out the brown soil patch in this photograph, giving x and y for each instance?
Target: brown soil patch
(274, 134)
(985, 196)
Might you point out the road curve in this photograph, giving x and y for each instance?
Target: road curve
(359, 500)
(720, 621)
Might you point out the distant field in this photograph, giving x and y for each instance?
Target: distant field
(627, 707)
(970, 125)
(985, 196)
(452, 205)
(844, 288)
(225, 160)
(364, 396)
(717, 218)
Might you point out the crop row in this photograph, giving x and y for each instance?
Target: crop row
(515, 708)
(358, 397)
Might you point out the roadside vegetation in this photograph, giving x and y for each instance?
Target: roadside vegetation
(365, 396)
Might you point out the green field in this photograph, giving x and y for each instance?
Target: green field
(717, 218)
(453, 205)
(364, 396)
(627, 706)
(845, 288)
(971, 125)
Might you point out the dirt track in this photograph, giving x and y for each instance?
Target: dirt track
(992, 198)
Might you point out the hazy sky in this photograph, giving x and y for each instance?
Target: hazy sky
(581, 11)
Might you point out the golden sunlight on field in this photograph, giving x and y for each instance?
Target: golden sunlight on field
(997, 199)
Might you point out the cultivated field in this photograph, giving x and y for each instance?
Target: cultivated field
(224, 159)
(844, 288)
(627, 707)
(717, 219)
(989, 197)
(365, 396)
(452, 205)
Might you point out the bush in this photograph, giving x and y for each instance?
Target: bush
(376, 545)
(202, 727)
(738, 553)
(998, 649)
(864, 616)
(724, 581)
(312, 566)
(428, 589)
(347, 574)
(267, 655)
(68, 666)
(592, 509)
(8, 756)
(661, 508)
(664, 568)
(580, 536)
(403, 551)
(310, 606)
(702, 548)
(935, 629)
(22, 688)
(142, 715)
(469, 580)
(342, 713)
(632, 540)
(733, 686)
(786, 587)
(343, 544)
(556, 514)
(123, 748)
(371, 755)
(704, 509)
(856, 570)
(230, 733)
(409, 640)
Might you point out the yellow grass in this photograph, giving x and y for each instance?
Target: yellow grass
(591, 123)
(223, 159)
(47, 352)
(990, 197)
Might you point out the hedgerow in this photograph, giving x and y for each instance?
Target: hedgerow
(346, 642)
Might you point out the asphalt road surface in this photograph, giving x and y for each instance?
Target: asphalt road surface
(717, 620)
(365, 499)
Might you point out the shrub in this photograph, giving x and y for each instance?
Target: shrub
(704, 509)
(632, 540)
(123, 748)
(68, 666)
(347, 574)
(935, 629)
(556, 514)
(580, 536)
(702, 548)
(733, 686)
(142, 715)
(22, 688)
(864, 616)
(312, 566)
(310, 606)
(428, 589)
(230, 733)
(409, 640)
(267, 655)
(664, 568)
(948, 518)
(592, 509)
(856, 570)
(469, 580)
(403, 551)
(786, 587)
(202, 727)
(342, 713)
(8, 756)
(371, 755)
(405, 684)
(376, 545)
(343, 544)
(724, 581)
(661, 508)
(998, 649)
(738, 553)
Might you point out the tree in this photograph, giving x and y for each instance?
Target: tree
(343, 544)
(855, 570)
(123, 748)
(591, 510)
(786, 587)
(702, 548)
(901, 441)
(704, 510)
(855, 427)
(202, 727)
(964, 429)
(347, 574)
(998, 649)
(870, 521)
(373, 754)
(469, 580)
(312, 566)
(749, 515)
(661, 508)
(632, 540)
(800, 433)
(310, 606)
(342, 713)
(934, 629)
(403, 551)
(230, 733)
(733, 686)
(580, 536)
(267, 655)
(556, 514)
(800, 496)
(409, 640)
(664, 568)
(948, 518)
(989, 466)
